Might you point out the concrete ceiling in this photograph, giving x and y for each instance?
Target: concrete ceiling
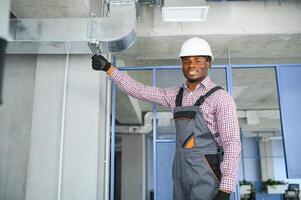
(272, 48)
(248, 32)
(252, 31)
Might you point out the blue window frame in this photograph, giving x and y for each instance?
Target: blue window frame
(289, 82)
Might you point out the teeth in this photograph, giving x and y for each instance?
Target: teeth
(192, 72)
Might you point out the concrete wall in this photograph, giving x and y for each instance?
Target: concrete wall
(31, 121)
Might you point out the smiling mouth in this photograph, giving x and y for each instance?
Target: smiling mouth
(192, 72)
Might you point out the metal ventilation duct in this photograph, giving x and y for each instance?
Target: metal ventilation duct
(114, 33)
(184, 11)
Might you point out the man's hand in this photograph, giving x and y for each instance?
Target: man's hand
(100, 63)
(222, 196)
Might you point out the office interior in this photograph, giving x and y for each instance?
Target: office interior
(67, 132)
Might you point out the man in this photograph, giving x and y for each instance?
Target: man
(208, 145)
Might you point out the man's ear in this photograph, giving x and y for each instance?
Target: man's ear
(209, 63)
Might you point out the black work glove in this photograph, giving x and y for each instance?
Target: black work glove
(100, 63)
(222, 196)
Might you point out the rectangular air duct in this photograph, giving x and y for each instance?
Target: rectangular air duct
(114, 33)
(184, 11)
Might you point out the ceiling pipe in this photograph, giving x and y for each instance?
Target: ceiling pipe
(112, 34)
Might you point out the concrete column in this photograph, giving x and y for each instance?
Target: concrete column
(84, 131)
(267, 164)
(46, 121)
(15, 125)
(133, 180)
(279, 160)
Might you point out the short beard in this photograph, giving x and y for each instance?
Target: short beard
(193, 80)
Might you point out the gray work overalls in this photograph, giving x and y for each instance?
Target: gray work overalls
(196, 169)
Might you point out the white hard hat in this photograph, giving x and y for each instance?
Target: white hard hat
(196, 47)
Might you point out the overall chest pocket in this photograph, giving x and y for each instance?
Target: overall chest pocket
(185, 123)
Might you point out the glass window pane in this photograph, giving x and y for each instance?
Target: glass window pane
(256, 97)
(218, 76)
(133, 158)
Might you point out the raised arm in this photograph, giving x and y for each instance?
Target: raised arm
(132, 87)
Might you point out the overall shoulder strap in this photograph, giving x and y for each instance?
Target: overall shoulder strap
(202, 98)
(179, 97)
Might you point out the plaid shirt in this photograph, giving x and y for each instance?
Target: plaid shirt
(219, 111)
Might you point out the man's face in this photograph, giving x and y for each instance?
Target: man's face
(195, 68)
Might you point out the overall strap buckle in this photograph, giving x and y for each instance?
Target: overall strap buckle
(202, 98)
(200, 101)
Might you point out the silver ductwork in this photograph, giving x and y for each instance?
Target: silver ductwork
(112, 34)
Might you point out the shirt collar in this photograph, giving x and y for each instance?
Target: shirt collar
(204, 84)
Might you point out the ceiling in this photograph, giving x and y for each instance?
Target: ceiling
(272, 48)
(246, 31)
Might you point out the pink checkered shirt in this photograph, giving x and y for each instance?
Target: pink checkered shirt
(219, 111)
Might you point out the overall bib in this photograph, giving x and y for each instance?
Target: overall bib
(196, 166)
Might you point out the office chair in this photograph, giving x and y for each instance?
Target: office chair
(292, 192)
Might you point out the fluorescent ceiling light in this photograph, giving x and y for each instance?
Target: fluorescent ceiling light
(185, 14)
